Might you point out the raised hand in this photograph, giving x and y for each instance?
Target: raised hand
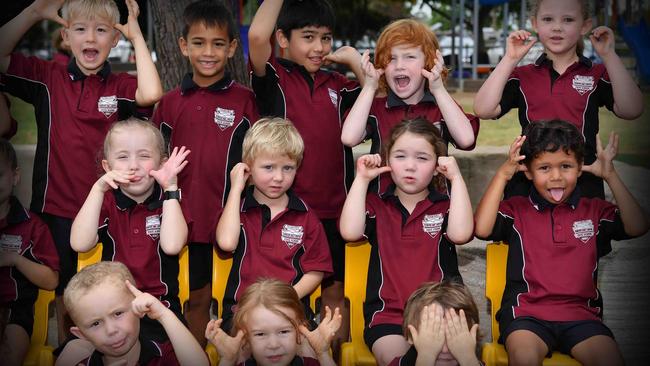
(49, 9)
(429, 337)
(372, 75)
(435, 75)
(461, 340)
(602, 38)
(604, 165)
(344, 55)
(238, 177)
(113, 178)
(448, 167)
(513, 164)
(320, 338)
(166, 176)
(131, 29)
(145, 304)
(518, 44)
(227, 347)
(369, 167)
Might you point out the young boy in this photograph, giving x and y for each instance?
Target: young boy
(28, 260)
(209, 113)
(296, 88)
(441, 323)
(74, 105)
(270, 230)
(556, 236)
(105, 308)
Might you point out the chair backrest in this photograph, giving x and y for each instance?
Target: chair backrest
(41, 317)
(495, 280)
(90, 257)
(221, 265)
(357, 257)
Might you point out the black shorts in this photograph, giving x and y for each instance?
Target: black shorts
(590, 186)
(200, 261)
(372, 334)
(558, 336)
(21, 313)
(337, 251)
(60, 229)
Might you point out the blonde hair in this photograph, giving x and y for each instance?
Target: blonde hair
(91, 9)
(586, 12)
(448, 294)
(272, 294)
(276, 136)
(408, 32)
(133, 122)
(114, 273)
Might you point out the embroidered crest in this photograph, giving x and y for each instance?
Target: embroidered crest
(10, 243)
(152, 226)
(107, 105)
(292, 235)
(583, 230)
(431, 224)
(583, 84)
(333, 96)
(224, 118)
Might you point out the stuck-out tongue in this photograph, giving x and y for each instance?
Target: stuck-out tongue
(556, 193)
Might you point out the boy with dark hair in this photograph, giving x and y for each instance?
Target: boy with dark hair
(295, 87)
(555, 238)
(209, 113)
(74, 106)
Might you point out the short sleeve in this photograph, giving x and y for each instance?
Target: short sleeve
(511, 94)
(43, 250)
(605, 92)
(31, 69)
(267, 91)
(503, 224)
(317, 253)
(610, 227)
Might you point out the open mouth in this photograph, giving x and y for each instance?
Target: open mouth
(90, 54)
(208, 64)
(402, 81)
(556, 193)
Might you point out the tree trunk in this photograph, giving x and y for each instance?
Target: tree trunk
(168, 26)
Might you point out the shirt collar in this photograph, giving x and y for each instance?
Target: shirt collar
(124, 202)
(76, 74)
(295, 203)
(17, 213)
(543, 60)
(394, 101)
(297, 361)
(434, 196)
(541, 204)
(148, 351)
(188, 83)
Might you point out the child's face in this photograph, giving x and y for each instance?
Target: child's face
(272, 338)
(554, 175)
(134, 149)
(90, 41)
(8, 180)
(559, 25)
(404, 73)
(208, 49)
(103, 316)
(272, 176)
(307, 46)
(413, 163)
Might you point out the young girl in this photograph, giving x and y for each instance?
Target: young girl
(409, 73)
(561, 84)
(134, 210)
(412, 228)
(270, 327)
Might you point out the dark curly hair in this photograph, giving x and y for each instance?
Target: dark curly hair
(551, 136)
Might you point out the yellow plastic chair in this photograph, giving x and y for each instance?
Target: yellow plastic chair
(356, 352)
(40, 353)
(90, 257)
(495, 280)
(221, 265)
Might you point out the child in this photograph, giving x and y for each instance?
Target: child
(561, 84)
(105, 307)
(441, 323)
(28, 260)
(8, 125)
(556, 234)
(137, 205)
(270, 325)
(295, 87)
(209, 113)
(411, 225)
(74, 106)
(410, 74)
(270, 230)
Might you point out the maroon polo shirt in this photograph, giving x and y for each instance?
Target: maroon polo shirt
(286, 248)
(541, 93)
(13, 126)
(130, 234)
(315, 107)
(553, 255)
(73, 113)
(24, 233)
(151, 354)
(387, 112)
(407, 250)
(297, 361)
(211, 122)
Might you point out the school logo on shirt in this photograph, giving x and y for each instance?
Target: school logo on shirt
(333, 96)
(224, 118)
(10, 243)
(292, 235)
(431, 224)
(583, 84)
(107, 105)
(583, 230)
(152, 226)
